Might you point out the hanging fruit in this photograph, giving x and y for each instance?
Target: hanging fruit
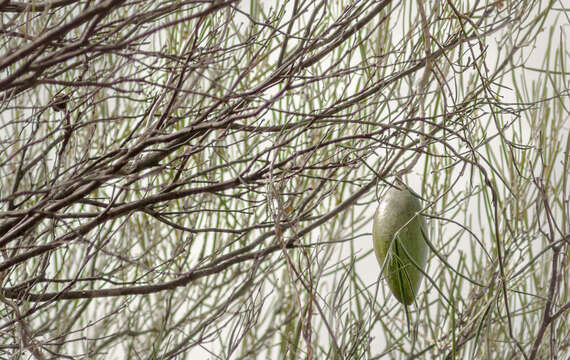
(400, 242)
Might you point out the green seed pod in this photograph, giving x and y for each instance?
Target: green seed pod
(398, 233)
